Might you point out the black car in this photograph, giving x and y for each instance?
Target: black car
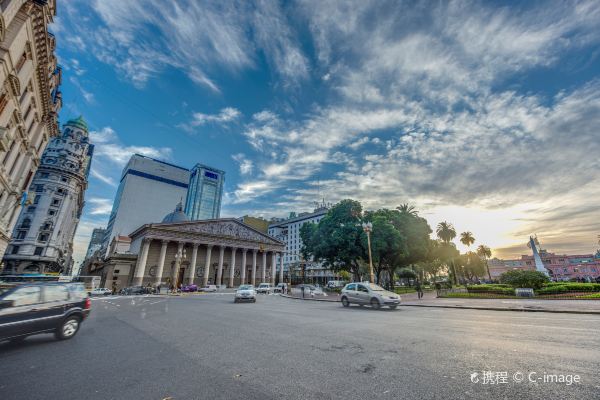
(42, 307)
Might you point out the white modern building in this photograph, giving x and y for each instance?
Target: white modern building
(288, 232)
(95, 241)
(42, 240)
(204, 193)
(148, 191)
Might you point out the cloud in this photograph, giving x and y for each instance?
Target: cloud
(246, 165)
(87, 96)
(109, 148)
(100, 206)
(106, 179)
(197, 38)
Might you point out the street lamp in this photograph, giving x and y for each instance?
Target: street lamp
(179, 257)
(368, 227)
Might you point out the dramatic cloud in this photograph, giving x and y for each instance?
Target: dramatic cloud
(100, 206)
(226, 115)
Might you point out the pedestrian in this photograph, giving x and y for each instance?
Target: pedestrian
(114, 288)
(419, 289)
(158, 288)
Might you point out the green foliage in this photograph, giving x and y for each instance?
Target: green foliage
(406, 273)
(498, 289)
(524, 279)
(345, 276)
(478, 295)
(569, 287)
(590, 296)
(404, 290)
(445, 231)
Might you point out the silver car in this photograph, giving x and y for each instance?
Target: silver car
(369, 294)
(245, 293)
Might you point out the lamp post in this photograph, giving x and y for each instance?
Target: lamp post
(179, 257)
(368, 227)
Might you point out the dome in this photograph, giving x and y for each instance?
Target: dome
(78, 122)
(176, 216)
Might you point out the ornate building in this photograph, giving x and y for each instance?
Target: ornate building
(29, 100)
(43, 236)
(217, 251)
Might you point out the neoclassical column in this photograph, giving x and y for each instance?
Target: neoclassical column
(273, 266)
(220, 270)
(263, 271)
(161, 261)
(177, 265)
(207, 264)
(232, 267)
(243, 270)
(192, 273)
(280, 267)
(141, 263)
(254, 267)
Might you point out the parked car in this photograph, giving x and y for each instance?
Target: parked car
(310, 289)
(100, 292)
(265, 288)
(281, 288)
(245, 293)
(209, 288)
(134, 290)
(189, 288)
(368, 294)
(42, 307)
(335, 284)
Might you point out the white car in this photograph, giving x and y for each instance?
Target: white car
(208, 288)
(245, 293)
(264, 288)
(100, 292)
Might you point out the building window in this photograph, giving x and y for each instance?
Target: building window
(26, 224)
(55, 202)
(37, 198)
(51, 212)
(64, 179)
(31, 209)
(39, 188)
(44, 175)
(38, 251)
(60, 191)
(47, 226)
(43, 237)
(21, 235)
(15, 250)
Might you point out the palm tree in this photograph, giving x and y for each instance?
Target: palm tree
(407, 209)
(484, 252)
(467, 239)
(445, 232)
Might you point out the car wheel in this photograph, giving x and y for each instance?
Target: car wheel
(235, 300)
(254, 300)
(393, 307)
(68, 328)
(345, 302)
(375, 304)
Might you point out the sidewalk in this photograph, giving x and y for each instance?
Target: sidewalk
(529, 305)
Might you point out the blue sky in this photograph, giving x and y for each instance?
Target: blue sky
(483, 114)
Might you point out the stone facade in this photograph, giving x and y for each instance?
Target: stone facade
(29, 100)
(203, 252)
(42, 241)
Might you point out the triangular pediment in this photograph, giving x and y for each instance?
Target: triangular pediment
(225, 228)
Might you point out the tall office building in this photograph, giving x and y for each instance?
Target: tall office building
(204, 193)
(30, 100)
(95, 241)
(43, 237)
(149, 189)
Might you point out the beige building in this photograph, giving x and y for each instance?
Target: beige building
(29, 100)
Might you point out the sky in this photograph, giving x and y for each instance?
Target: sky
(483, 114)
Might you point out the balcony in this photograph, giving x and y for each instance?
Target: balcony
(4, 139)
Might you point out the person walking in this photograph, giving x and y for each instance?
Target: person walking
(419, 289)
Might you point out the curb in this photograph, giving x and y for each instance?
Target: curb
(308, 299)
(468, 307)
(505, 309)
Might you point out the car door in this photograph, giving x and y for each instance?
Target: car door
(351, 293)
(56, 299)
(362, 294)
(22, 317)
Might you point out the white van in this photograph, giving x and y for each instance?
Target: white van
(335, 284)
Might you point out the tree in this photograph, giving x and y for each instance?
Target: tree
(407, 209)
(470, 265)
(524, 279)
(337, 239)
(445, 232)
(406, 273)
(484, 252)
(467, 238)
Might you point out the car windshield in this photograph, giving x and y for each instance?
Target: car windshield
(245, 287)
(376, 288)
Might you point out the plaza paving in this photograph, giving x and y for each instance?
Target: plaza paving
(207, 347)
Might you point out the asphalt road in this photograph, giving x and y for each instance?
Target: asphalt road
(206, 347)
